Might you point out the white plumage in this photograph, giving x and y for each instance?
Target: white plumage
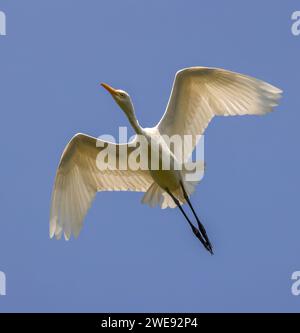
(198, 94)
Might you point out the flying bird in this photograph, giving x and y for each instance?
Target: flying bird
(198, 94)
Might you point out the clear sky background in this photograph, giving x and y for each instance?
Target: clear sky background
(130, 257)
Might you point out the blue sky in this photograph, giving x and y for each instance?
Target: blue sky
(130, 257)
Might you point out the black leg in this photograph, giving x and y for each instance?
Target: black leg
(200, 225)
(194, 229)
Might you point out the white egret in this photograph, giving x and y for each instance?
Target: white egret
(198, 94)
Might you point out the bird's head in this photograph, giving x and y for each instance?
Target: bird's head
(121, 97)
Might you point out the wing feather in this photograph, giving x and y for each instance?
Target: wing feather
(200, 93)
(78, 180)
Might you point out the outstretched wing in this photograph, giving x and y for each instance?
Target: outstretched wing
(78, 179)
(200, 93)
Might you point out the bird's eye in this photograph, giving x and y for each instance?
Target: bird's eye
(122, 95)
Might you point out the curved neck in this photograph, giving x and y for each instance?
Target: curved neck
(134, 123)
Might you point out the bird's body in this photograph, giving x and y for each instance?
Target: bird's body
(164, 178)
(198, 94)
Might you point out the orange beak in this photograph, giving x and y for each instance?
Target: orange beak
(109, 89)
